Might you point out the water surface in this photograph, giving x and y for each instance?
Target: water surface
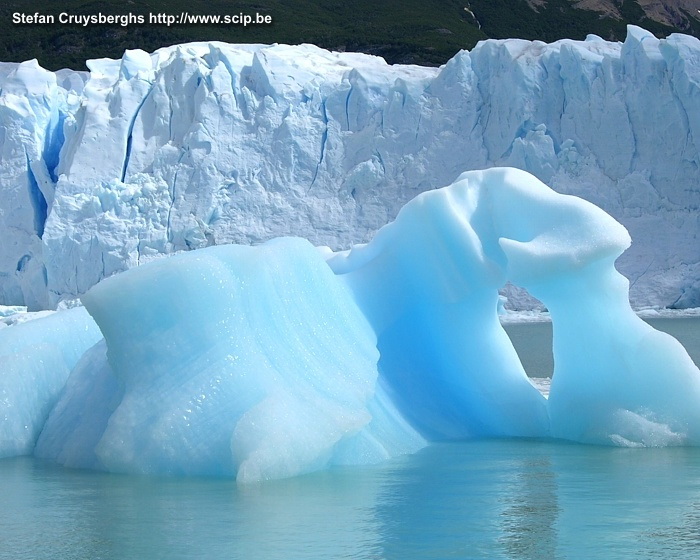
(488, 499)
(482, 499)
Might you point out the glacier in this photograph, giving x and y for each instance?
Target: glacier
(269, 361)
(209, 143)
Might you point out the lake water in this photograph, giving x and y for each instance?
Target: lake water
(489, 499)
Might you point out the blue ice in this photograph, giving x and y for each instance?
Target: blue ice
(271, 361)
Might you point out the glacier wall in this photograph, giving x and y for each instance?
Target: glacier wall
(209, 143)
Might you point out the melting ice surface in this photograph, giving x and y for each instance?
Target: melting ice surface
(270, 361)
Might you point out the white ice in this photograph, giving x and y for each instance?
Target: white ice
(210, 143)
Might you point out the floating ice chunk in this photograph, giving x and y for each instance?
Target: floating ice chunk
(270, 361)
(7, 310)
(428, 284)
(35, 360)
(247, 361)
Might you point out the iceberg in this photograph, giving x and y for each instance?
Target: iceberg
(429, 285)
(209, 143)
(269, 361)
(240, 361)
(37, 357)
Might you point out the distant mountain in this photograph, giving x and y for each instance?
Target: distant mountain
(674, 13)
(426, 32)
(549, 20)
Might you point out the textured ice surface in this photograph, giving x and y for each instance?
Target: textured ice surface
(232, 360)
(210, 143)
(35, 361)
(269, 361)
(429, 284)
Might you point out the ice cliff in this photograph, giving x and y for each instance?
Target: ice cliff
(209, 143)
(279, 359)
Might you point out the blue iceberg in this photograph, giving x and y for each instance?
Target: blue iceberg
(37, 358)
(231, 360)
(279, 359)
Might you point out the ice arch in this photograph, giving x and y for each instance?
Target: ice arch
(429, 282)
(270, 361)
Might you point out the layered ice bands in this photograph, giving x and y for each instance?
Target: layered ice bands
(209, 143)
(251, 362)
(279, 359)
(36, 359)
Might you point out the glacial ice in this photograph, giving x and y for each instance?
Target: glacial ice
(273, 360)
(232, 360)
(616, 379)
(208, 143)
(37, 358)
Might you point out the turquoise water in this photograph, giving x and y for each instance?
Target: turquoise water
(509, 499)
(483, 499)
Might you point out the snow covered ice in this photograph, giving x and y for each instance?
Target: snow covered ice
(274, 360)
(209, 143)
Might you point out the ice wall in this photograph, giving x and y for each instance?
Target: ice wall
(210, 143)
